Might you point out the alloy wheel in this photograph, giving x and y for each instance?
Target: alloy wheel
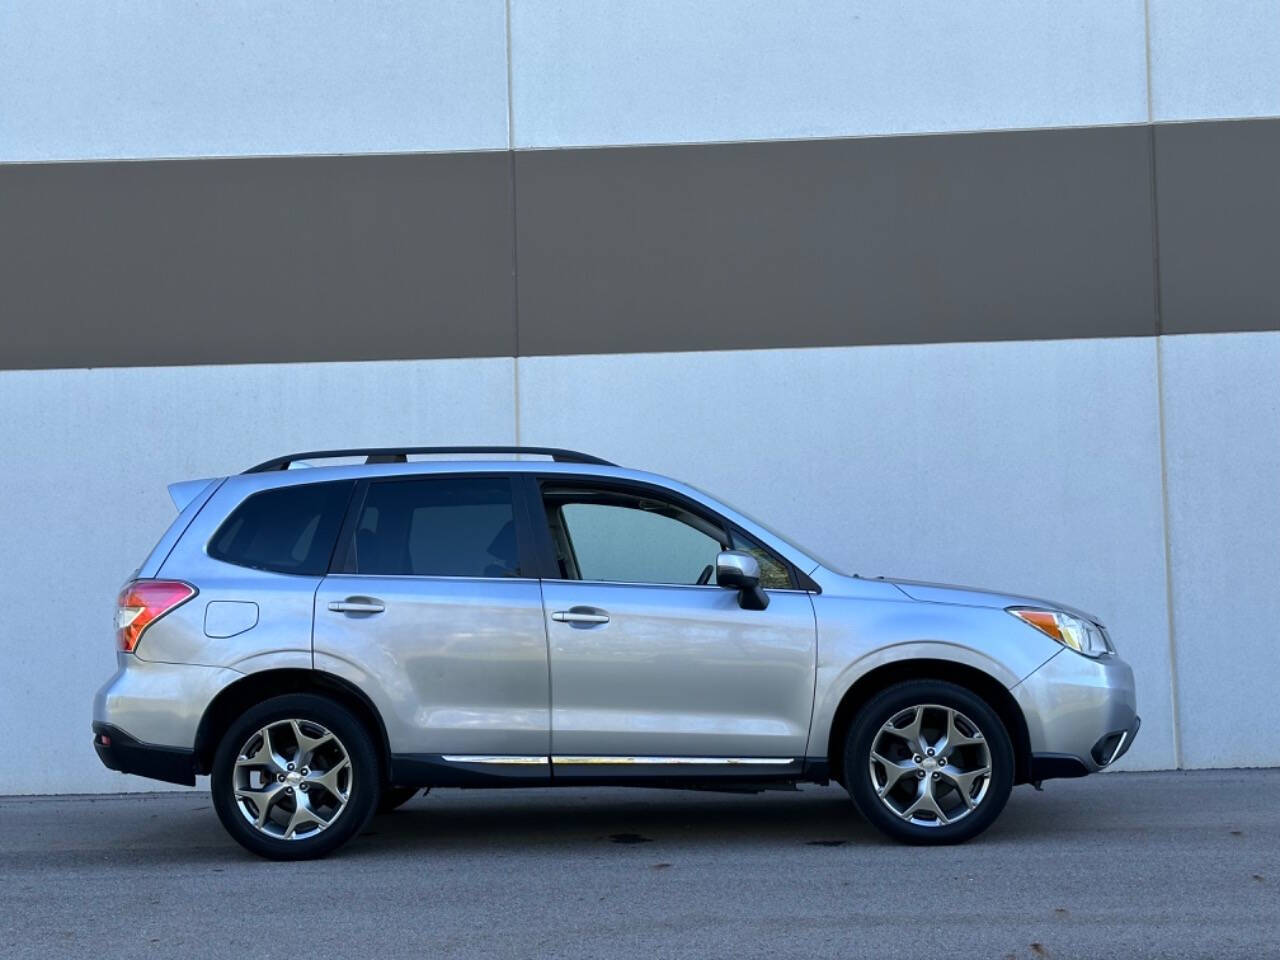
(930, 765)
(292, 779)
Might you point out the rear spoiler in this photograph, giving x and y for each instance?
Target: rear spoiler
(184, 491)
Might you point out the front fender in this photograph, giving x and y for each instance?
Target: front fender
(857, 635)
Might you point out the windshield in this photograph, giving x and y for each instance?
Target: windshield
(789, 541)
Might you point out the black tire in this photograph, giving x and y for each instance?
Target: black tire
(890, 704)
(363, 787)
(393, 798)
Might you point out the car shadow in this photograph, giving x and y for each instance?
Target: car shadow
(478, 821)
(184, 829)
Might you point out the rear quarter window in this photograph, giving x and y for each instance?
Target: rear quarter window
(286, 530)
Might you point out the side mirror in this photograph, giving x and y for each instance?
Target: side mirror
(737, 570)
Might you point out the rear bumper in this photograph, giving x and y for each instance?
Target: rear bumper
(1081, 714)
(119, 751)
(159, 703)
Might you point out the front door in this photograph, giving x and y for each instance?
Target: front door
(656, 670)
(435, 617)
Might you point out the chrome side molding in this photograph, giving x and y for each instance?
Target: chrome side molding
(486, 758)
(575, 761)
(675, 761)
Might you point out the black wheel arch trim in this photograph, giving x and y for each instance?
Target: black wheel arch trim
(976, 681)
(253, 688)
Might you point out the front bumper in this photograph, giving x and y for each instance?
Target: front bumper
(1081, 714)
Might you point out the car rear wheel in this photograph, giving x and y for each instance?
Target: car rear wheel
(928, 762)
(295, 777)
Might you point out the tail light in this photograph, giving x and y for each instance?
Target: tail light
(142, 603)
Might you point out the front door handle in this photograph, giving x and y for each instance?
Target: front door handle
(580, 615)
(352, 605)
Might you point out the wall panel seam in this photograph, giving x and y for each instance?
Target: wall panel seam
(511, 170)
(1168, 558)
(1146, 38)
(1152, 173)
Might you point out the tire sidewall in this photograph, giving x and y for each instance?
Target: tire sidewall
(365, 787)
(899, 697)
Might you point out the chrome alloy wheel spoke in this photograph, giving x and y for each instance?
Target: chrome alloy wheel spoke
(910, 731)
(964, 782)
(954, 736)
(304, 815)
(265, 756)
(926, 801)
(292, 779)
(263, 800)
(330, 780)
(930, 765)
(893, 772)
(307, 746)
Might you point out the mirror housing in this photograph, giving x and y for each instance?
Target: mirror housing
(738, 570)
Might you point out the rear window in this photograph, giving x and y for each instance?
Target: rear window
(438, 527)
(286, 530)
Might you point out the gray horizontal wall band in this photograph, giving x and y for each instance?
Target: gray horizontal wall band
(1218, 194)
(1032, 234)
(993, 236)
(248, 260)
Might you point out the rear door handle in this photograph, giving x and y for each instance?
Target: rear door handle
(580, 615)
(351, 605)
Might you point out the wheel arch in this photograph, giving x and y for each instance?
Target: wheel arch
(254, 688)
(976, 681)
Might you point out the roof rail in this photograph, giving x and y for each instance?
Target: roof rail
(401, 455)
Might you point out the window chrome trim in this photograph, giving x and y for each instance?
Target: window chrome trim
(433, 576)
(703, 504)
(684, 586)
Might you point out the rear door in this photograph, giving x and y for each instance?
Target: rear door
(655, 670)
(433, 609)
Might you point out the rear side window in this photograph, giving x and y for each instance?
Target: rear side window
(286, 530)
(437, 527)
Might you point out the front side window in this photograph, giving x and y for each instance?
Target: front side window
(626, 544)
(437, 527)
(286, 530)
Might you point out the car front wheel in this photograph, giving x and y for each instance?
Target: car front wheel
(928, 762)
(295, 777)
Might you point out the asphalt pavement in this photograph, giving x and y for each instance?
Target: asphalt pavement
(1120, 865)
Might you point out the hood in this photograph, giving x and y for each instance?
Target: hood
(976, 597)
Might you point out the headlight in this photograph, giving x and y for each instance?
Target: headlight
(1080, 635)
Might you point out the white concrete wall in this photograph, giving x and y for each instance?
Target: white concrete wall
(1029, 467)
(84, 459)
(1222, 421)
(95, 79)
(1215, 60)
(589, 72)
(1032, 467)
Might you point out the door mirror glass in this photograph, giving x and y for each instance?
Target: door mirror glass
(737, 570)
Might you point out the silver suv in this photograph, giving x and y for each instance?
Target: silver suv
(325, 642)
